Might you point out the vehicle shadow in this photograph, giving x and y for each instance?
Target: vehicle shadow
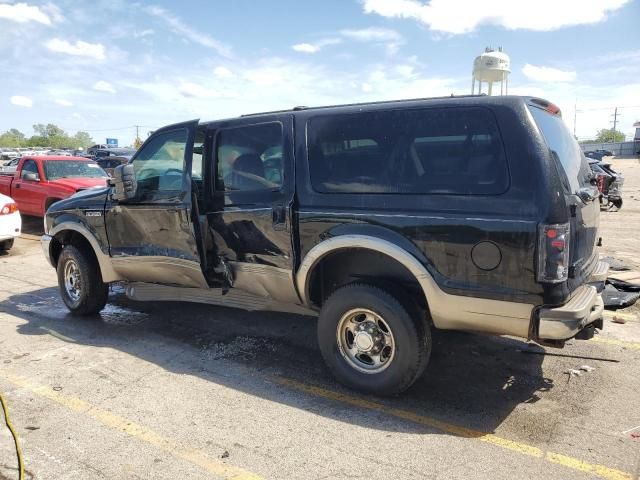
(472, 381)
(32, 225)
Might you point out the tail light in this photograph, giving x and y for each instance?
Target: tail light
(553, 253)
(9, 208)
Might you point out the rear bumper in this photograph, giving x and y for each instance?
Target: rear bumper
(583, 308)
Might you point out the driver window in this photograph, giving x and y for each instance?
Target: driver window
(159, 166)
(30, 167)
(249, 158)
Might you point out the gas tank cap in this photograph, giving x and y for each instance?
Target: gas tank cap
(486, 255)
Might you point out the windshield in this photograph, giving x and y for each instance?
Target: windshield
(564, 147)
(72, 169)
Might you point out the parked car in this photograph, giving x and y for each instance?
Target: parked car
(10, 222)
(40, 181)
(110, 158)
(10, 167)
(388, 219)
(108, 164)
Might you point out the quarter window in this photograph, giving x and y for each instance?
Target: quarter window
(448, 151)
(250, 158)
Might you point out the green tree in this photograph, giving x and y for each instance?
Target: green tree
(606, 135)
(50, 135)
(82, 140)
(12, 138)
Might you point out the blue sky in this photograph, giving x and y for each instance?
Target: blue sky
(104, 66)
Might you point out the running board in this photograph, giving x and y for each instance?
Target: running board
(151, 292)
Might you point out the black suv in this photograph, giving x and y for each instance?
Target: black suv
(390, 219)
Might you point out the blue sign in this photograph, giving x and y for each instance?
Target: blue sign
(112, 142)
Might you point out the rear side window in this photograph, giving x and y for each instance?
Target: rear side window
(564, 148)
(249, 158)
(430, 151)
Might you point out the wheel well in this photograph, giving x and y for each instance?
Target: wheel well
(70, 237)
(49, 202)
(349, 265)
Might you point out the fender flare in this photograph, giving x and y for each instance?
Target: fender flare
(104, 261)
(455, 312)
(317, 253)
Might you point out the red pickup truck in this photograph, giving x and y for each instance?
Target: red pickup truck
(40, 181)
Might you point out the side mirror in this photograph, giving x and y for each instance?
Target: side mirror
(124, 182)
(32, 177)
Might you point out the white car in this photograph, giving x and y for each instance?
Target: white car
(10, 222)
(10, 167)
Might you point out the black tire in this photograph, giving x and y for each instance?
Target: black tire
(411, 336)
(6, 245)
(92, 292)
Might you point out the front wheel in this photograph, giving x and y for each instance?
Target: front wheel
(80, 282)
(371, 342)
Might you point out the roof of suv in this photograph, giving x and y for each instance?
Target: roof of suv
(451, 100)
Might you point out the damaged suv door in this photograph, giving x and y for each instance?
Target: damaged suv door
(150, 230)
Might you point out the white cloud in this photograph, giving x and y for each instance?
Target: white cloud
(180, 28)
(305, 48)
(63, 103)
(195, 90)
(547, 74)
(23, 13)
(391, 38)
(464, 16)
(79, 48)
(102, 86)
(21, 101)
(223, 72)
(315, 47)
(366, 87)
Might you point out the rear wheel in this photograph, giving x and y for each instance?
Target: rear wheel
(6, 245)
(80, 282)
(371, 342)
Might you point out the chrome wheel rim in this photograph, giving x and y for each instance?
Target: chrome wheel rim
(365, 340)
(72, 280)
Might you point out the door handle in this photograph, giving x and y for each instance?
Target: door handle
(17, 185)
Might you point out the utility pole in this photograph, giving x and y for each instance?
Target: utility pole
(615, 119)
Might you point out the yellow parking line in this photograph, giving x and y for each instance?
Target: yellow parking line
(529, 450)
(615, 341)
(196, 457)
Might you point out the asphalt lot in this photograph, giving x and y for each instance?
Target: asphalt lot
(170, 390)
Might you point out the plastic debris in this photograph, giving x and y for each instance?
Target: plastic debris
(614, 299)
(587, 368)
(618, 319)
(572, 372)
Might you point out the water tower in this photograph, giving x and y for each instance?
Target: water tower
(491, 67)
